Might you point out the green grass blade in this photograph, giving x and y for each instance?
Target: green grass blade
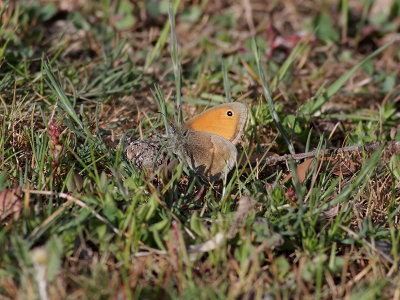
(227, 86)
(63, 100)
(267, 95)
(176, 63)
(313, 106)
(162, 39)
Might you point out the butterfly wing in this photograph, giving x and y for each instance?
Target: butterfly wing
(226, 120)
(209, 155)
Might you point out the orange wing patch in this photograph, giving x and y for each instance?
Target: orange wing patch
(222, 121)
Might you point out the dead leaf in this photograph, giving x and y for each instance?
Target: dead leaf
(10, 203)
(301, 171)
(340, 168)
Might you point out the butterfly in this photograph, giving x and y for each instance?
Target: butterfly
(207, 142)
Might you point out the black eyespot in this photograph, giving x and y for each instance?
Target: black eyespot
(229, 113)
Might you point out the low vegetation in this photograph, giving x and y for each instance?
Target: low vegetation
(79, 221)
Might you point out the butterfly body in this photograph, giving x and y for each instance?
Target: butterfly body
(207, 142)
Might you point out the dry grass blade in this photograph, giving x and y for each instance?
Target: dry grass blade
(71, 200)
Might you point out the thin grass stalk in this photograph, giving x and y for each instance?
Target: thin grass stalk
(364, 16)
(176, 63)
(59, 93)
(160, 99)
(297, 52)
(345, 19)
(162, 39)
(267, 95)
(227, 86)
(313, 106)
(360, 181)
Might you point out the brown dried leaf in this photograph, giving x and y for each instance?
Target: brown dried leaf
(303, 169)
(10, 203)
(340, 168)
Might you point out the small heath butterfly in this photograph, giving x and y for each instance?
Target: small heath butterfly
(208, 141)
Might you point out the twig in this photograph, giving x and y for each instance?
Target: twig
(394, 147)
